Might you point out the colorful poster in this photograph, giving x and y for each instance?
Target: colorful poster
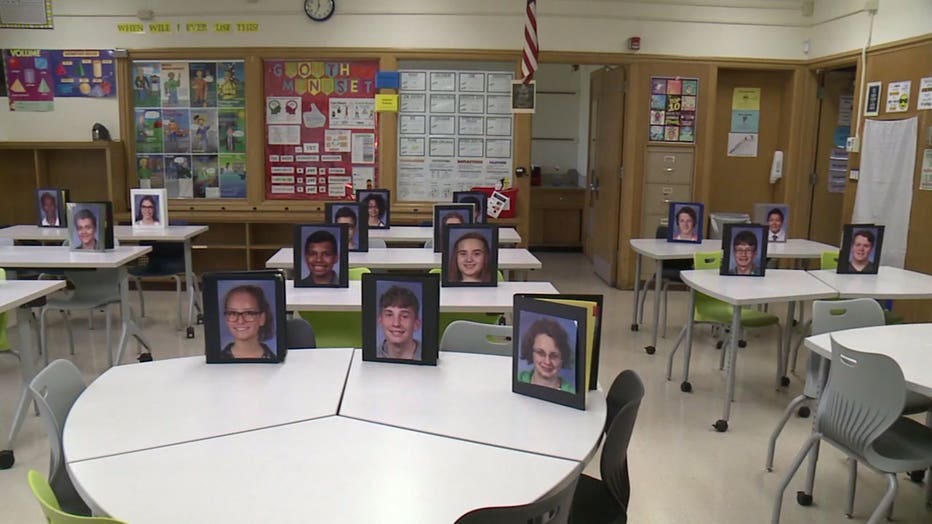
(317, 115)
(29, 80)
(673, 104)
(190, 123)
(83, 73)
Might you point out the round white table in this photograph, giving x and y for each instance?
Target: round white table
(324, 437)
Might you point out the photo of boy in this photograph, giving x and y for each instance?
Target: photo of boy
(745, 250)
(685, 222)
(400, 318)
(399, 322)
(478, 199)
(320, 259)
(357, 235)
(860, 249)
(775, 217)
(49, 207)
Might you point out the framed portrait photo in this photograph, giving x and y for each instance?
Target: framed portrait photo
(90, 226)
(244, 317)
(686, 220)
(357, 236)
(377, 203)
(320, 255)
(149, 207)
(860, 249)
(777, 219)
(449, 214)
(400, 318)
(470, 256)
(744, 250)
(51, 207)
(549, 351)
(476, 198)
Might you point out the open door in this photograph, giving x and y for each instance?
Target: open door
(603, 191)
(825, 220)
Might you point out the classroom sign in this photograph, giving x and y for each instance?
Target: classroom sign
(321, 129)
(673, 103)
(190, 127)
(29, 80)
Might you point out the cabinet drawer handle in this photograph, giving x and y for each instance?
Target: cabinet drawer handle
(668, 169)
(666, 200)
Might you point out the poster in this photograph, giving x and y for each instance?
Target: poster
(872, 100)
(925, 94)
(925, 178)
(29, 80)
(190, 127)
(745, 121)
(2, 74)
(321, 122)
(84, 73)
(898, 96)
(838, 169)
(746, 98)
(454, 132)
(742, 144)
(673, 103)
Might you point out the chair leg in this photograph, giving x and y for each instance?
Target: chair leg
(43, 342)
(109, 337)
(797, 461)
(795, 354)
(643, 298)
(787, 413)
(177, 278)
(142, 298)
(810, 473)
(886, 501)
(67, 317)
(663, 316)
(676, 347)
(852, 487)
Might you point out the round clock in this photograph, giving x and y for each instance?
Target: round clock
(319, 10)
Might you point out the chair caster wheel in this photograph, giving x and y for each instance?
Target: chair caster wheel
(7, 459)
(720, 425)
(650, 350)
(144, 357)
(634, 327)
(719, 344)
(803, 412)
(190, 332)
(784, 381)
(917, 476)
(804, 499)
(742, 343)
(686, 387)
(200, 318)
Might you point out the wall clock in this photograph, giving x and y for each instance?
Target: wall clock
(319, 10)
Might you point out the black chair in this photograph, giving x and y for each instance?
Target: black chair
(300, 334)
(670, 273)
(606, 501)
(552, 509)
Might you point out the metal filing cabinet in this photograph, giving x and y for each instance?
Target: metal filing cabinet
(668, 177)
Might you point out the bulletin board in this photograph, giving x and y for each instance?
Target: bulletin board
(673, 105)
(190, 127)
(321, 129)
(455, 131)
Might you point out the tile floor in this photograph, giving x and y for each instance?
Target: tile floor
(682, 471)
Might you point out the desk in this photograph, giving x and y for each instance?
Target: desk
(401, 234)
(410, 258)
(59, 257)
(330, 469)
(888, 283)
(499, 299)
(659, 250)
(13, 294)
(778, 285)
(181, 234)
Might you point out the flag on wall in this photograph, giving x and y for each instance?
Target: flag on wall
(530, 52)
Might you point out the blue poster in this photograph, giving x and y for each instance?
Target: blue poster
(745, 121)
(84, 73)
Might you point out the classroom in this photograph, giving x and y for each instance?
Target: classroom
(699, 206)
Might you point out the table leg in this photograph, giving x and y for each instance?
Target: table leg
(658, 276)
(732, 361)
(130, 328)
(190, 282)
(685, 386)
(637, 292)
(785, 343)
(24, 326)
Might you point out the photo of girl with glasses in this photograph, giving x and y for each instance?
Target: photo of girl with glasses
(547, 353)
(147, 207)
(250, 323)
(147, 214)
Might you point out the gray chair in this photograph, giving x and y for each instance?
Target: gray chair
(606, 501)
(464, 336)
(377, 242)
(717, 222)
(551, 509)
(859, 413)
(300, 334)
(55, 389)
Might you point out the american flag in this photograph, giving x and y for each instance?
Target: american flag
(529, 59)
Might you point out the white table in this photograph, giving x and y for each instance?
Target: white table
(659, 250)
(181, 234)
(409, 258)
(499, 299)
(778, 285)
(888, 283)
(142, 406)
(58, 257)
(448, 400)
(400, 234)
(13, 294)
(329, 469)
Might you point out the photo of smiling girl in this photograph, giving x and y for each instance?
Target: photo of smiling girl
(470, 256)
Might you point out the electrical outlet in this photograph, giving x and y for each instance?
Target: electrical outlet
(854, 174)
(853, 145)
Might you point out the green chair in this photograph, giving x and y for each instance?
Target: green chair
(710, 310)
(338, 329)
(51, 508)
(482, 318)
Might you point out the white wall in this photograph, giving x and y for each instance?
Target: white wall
(842, 25)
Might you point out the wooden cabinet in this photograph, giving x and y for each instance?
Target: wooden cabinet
(556, 217)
